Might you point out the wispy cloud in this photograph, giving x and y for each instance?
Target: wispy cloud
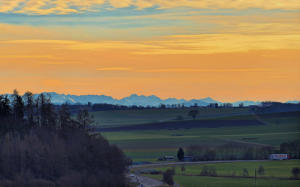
(182, 70)
(114, 69)
(79, 6)
(207, 70)
(180, 44)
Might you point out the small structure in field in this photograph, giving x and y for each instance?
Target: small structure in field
(278, 156)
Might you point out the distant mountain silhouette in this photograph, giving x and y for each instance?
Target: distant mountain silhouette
(134, 99)
(139, 100)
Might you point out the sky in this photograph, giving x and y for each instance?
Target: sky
(229, 50)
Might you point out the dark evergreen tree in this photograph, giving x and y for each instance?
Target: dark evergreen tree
(4, 106)
(18, 107)
(180, 154)
(5, 113)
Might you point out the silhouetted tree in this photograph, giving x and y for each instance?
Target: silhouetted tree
(18, 107)
(47, 115)
(162, 106)
(29, 108)
(193, 114)
(180, 154)
(84, 118)
(5, 113)
(4, 106)
(64, 117)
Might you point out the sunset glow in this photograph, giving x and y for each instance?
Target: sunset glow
(228, 50)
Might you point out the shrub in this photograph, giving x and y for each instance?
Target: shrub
(168, 176)
(261, 170)
(233, 174)
(208, 171)
(296, 172)
(182, 168)
(245, 173)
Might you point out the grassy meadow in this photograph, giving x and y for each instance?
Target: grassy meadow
(114, 118)
(196, 181)
(148, 145)
(277, 173)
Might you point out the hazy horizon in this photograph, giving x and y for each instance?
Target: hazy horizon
(163, 98)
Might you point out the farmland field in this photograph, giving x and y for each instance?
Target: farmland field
(148, 145)
(196, 181)
(115, 118)
(229, 174)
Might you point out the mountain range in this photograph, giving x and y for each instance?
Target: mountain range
(134, 99)
(138, 100)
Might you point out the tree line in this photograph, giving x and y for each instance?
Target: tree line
(229, 151)
(19, 113)
(43, 146)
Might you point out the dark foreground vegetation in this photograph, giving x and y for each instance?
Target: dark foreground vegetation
(40, 146)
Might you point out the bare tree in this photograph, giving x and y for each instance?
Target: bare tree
(84, 118)
(29, 102)
(64, 116)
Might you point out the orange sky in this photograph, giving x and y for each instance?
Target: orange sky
(225, 52)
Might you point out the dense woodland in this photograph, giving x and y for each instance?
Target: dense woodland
(41, 146)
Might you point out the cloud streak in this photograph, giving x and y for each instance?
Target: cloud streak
(181, 70)
(114, 69)
(179, 44)
(47, 7)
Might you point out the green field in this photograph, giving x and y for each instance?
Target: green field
(132, 117)
(195, 181)
(277, 173)
(148, 145)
